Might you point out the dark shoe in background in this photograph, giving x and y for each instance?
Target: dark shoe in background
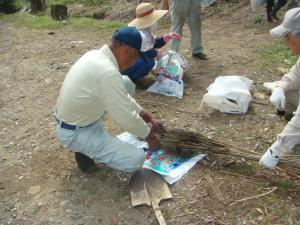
(293, 4)
(286, 115)
(269, 19)
(279, 4)
(200, 55)
(85, 163)
(274, 16)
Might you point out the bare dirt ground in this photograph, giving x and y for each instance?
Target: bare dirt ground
(40, 183)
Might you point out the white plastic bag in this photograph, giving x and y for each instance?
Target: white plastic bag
(170, 69)
(206, 3)
(255, 4)
(167, 87)
(229, 94)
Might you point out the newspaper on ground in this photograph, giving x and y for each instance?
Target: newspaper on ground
(170, 166)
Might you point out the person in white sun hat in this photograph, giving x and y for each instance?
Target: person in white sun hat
(146, 22)
(285, 93)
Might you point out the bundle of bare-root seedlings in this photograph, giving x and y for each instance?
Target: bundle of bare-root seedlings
(188, 143)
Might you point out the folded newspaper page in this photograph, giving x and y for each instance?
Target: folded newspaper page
(170, 166)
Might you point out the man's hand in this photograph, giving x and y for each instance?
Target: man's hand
(278, 98)
(168, 37)
(155, 124)
(152, 139)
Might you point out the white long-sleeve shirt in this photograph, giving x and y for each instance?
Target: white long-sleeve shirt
(290, 136)
(93, 87)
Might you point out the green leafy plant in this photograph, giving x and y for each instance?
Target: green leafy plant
(83, 2)
(258, 19)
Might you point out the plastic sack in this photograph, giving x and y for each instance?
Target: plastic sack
(229, 94)
(170, 69)
(206, 3)
(255, 4)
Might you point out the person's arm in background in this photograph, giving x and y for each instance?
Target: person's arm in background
(160, 42)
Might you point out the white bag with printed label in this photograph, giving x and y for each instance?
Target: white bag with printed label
(229, 94)
(170, 69)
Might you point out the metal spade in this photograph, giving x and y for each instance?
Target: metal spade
(148, 187)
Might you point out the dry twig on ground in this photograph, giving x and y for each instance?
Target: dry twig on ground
(253, 197)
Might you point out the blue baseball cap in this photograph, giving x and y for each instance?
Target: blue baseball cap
(129, 36)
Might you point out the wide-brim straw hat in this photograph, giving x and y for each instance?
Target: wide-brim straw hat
(146, 16)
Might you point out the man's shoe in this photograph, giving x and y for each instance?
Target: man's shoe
(269, 160)
(286, 115)
(200, 55)
(85, 163)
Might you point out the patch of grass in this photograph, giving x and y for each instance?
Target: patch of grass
(166, 211)
(32, 21)
(36, 22)
(272, 125)
(272, 199)
(83, 2)
(220, 130)
(46, 22)
(2, 16)
(276, 55)
(258, 19)
(286, 186)
(21, 3)
(93, 24)
(247, 169)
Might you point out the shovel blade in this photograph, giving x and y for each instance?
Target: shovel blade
(147, 187)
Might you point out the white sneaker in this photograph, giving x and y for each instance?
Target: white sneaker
(269, 160)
